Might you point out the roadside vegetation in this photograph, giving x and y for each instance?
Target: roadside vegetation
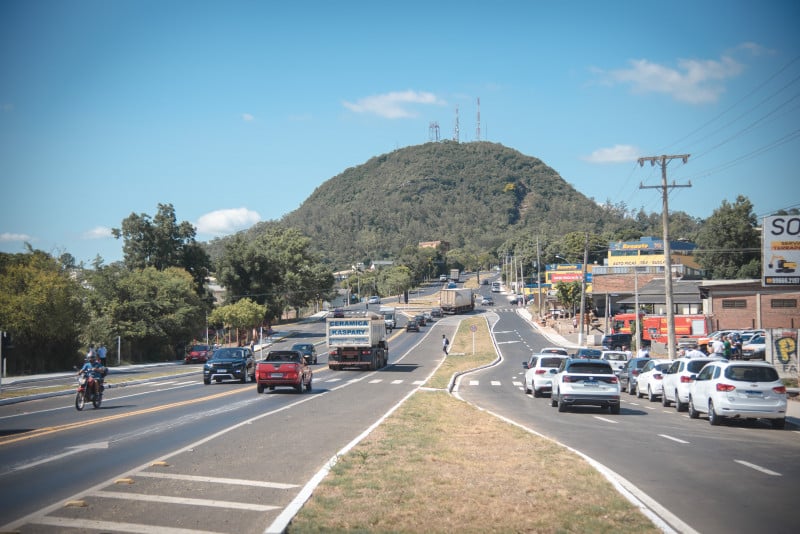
(441, 465)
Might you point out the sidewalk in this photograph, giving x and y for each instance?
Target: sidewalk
(570, 341)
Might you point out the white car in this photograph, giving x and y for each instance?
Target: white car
(582, 382)
(740, 390)
(649, 382)
(374, 300)
(554, 350)
(755, 349)
(677, 380)
(540, 371)
(616, 358)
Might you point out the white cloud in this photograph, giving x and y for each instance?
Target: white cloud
(615, 154)
(246, 117)
(223, 222)
(98, 232)
(8, 237)
(693, 81)
(394, 105)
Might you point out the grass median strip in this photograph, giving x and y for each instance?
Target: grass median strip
(440, 465)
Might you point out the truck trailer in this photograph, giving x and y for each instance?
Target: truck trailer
(455, 275)
(357, 340)
(456, 300)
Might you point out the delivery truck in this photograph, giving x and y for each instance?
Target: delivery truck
(456, 300)
(357, 340)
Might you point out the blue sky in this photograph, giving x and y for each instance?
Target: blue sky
(234, 112)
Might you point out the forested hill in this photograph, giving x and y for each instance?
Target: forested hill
(476, 195)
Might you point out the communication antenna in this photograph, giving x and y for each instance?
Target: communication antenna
(478, 128)
(433, 131)
(455, 130)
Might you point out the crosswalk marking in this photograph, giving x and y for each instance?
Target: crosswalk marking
(495, 383)
(474, 383)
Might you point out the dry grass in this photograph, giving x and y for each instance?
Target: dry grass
(440, 465)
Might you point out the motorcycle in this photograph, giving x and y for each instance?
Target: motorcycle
(86, 392)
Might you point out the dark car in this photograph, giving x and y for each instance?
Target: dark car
(627, 377)
(338, 313)
(420, 319)
(308, 350)
(436, 312)
(230, 363)
(198, 354)
(412, 325)
(616, 341)
(584, 352)
(284, 368)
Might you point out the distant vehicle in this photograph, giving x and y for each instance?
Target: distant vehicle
(443, 278)
(457, 300)
(616, 341)
(428, 317)
(388, 317)
(738, 390)
(230, 363)
(308, 350)
(581, 382)
(495, 287)
(540, 371)
(455, 275)
(677, 379)
(554, 350)
(198, 354)
(487, 301)
(436, 312)
(585, 352)
(627, 377)
(616, 358)
(284, 368)
(485, 282)
(338, 312)
(374, 300)
(420, 320)
(755, 349)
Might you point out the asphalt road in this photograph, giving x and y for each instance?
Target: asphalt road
(179, 455)
(733, 478)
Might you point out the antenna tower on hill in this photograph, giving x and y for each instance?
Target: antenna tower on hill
(433, 131)
(478, 128)
(455, 130)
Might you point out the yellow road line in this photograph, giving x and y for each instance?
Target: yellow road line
(5, 440)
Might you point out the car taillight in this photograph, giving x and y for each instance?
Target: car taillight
(725, 387)
(567, 378)
(539, 372)
(686, 379)
(635, 372)
(779, 389)
(657, 377)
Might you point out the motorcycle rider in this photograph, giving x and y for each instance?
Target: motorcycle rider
(93, 368)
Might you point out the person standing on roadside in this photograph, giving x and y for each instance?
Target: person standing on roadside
(101, 353)
(445, 343)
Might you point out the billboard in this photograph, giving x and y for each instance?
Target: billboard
(780, 252)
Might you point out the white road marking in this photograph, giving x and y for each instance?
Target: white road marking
(68, 452)
(110, 526)
(233, 505)
(517, 383)
(397, 381)
(495, 382)
(758, 468)
(606, 420)
(216, 480)
(474, 383)
(376, 381)
(673, 439)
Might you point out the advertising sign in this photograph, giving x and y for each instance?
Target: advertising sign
(780, 254)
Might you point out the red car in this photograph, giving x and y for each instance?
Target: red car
(198, 354)
(283, 368)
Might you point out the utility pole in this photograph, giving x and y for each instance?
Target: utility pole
(663, 160)
(539, 277)
(583, 289)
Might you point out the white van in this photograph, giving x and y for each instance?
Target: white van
(495, 287)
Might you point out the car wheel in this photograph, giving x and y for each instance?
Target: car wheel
(207, 381)
(631, 390)
(614, 408)
(562, 406)
(664, 402)
(680, 406)
(537, 393)
(260, 388)
(713, 418)
(527, 389)
(638, 392)
(693, 414)
(779, 424)
(650, 396)
(243, 380)
(553, 399)
(308, 386)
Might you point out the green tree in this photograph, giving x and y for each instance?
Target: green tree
(569, 294)
(241, 316)
(156, 312)
(394, 280)
(162, 242)
(729, 243)
(41, 306)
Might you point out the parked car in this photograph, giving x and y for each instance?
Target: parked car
(436, 312)
(755, 349)
(540, 371)
(741, 390)
(586, 383)
(308, 350)
(412, 325)
(616, 341)
(230, 363)
(284, 368)
(649, 381)
(443, 278)
(198, 354)
(627, 377)
(677, 379)
(487, 301)
(616, 358)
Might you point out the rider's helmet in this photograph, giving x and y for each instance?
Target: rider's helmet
(89, 357)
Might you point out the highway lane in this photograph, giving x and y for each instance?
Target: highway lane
(268, 444)
(736, 477)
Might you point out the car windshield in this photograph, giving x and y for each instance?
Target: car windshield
(301, 347)
(237, 354)
(616, 356)
(590, 368)
(590, 353)
(198, 348)
(283, 356)
(751, 373)
(663, 366)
